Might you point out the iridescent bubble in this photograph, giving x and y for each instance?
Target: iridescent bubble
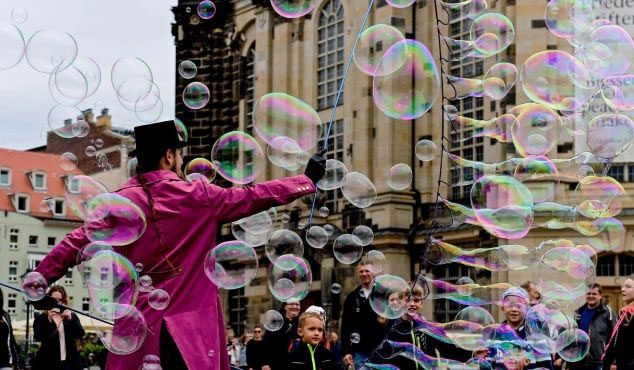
(329, 229)
(491, 33)
(293, 8)
(297, 271)
(561, 16)
(232, 264)
(399, 177)
(503, 206)
(359, 190)
(19, 15)
(373, 44)
(201, 166)
(183, 133)
(599, 196)
(335, 175)
(258, 223)
(48, 50)
(347, 249)
(564, 273)
(538, 168)
(464, 285)
(128, 335)
(118, 268)
(355, 338)
(556, 79)
(324, 211)
(284, 152)
(618, 92)
(12, 45)
(138, 267)
(536, 129)
(425, 150)
(114, 219)
(280, 115)
(610, 234)
(283, 242)
(196, 95)
(317, 237)
(273, 320)
(237, 157)
(284, 288)
(34, 286)
(206, 10)
(149, 107)
(80, 128)
(68, 161)
(88, 251)
(620, 45)
(573, 345)
(389, 295)
(47, 204)
(68, 86)
(151, 359)
(364, 233)
(411, 89)
(137, 77)
(467, 328)
(80, 190)
(60, 120)
(400, 3)
(335, 288)
(609, 135)
(187, 69)
(140, 95)
(285, 218)
(159, 299)
(499, 79)
(145, 284)
(376, 261)
(544, 323)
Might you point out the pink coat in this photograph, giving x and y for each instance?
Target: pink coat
(189, 217)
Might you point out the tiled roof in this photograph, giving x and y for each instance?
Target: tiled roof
(21, 163)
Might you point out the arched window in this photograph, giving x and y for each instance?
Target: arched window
(329, 54)
(250, 87)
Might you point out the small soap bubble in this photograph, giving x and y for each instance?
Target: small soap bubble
(324, 211)
(335, 288)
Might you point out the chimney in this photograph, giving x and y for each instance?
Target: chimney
(88, 116)
(104, 120)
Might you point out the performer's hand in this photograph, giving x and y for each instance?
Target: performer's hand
(66, 315)
(316, 167)
(481, 353)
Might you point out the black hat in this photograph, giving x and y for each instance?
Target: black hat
(155, 137)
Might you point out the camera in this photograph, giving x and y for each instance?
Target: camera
(57, 310)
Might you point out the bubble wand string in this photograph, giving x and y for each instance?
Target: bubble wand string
(59, 304)
(340, 92)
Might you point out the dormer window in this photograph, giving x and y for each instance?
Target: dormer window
(20, 202)
(38, 180)
(5, 177)
(72, 185)
(58, 208)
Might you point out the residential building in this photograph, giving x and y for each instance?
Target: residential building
(34, 217)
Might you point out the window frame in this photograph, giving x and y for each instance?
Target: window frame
(330, 53)
(54, 208)
(9, 176)
(13, 277)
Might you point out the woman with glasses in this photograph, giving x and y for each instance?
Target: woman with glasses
(58, 332)
(277, 342)
(8, 347)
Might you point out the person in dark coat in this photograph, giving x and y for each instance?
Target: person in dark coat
(403, 330)
(596, 319)
(335, 348)
(308, 352)
(362, 330)
(276, 342)
(58, 333)
(619, 349)
(8, 346)
(255, 350)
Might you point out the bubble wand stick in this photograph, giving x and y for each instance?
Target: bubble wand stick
(58, 305)
(339, 92)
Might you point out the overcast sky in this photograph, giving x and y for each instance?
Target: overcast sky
(104, 31)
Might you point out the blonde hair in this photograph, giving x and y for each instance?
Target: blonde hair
(306, 315)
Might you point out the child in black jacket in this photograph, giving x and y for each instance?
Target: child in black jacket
(307, 352)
